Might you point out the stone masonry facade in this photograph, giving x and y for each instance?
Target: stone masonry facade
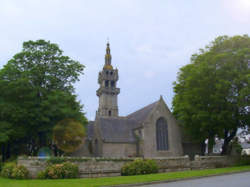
(148, 132)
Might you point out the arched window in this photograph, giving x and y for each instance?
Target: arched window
(161, 134)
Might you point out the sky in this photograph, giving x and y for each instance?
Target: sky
(150, 40)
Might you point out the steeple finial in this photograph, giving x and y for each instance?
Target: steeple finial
(108, 58)
(108, 49)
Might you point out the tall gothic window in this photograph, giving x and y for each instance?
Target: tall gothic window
(161, 134)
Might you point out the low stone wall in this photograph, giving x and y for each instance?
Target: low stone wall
(206, 162)
(172, 163)
(88, 167)
(33, 164)
(100, 167)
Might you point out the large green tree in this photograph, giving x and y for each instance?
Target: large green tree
(36, 91)
(212, 95)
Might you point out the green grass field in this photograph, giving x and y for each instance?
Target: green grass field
(93, 182)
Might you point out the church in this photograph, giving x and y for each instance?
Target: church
(148, 132)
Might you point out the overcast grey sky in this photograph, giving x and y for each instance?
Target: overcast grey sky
(150, 39)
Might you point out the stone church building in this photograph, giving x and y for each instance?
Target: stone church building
(149, 132)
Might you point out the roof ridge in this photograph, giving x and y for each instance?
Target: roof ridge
(143, 108)
(141, 114)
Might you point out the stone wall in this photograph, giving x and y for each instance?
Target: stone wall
(119, 149)
(174, 136)
(173, 163)
(33, 164)
(88, 166)
(100, 167)
(204, 162)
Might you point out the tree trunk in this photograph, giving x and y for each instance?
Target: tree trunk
(203, 148)
(3, 153)
(210, 144)
(227, 139)
(55, 150)
(8, 151)
(225, 147)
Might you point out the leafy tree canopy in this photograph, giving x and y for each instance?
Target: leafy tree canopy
(212, 93)
(43, 65)
(36, 91)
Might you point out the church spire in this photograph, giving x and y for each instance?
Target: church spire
(108, 92)
(108, 58)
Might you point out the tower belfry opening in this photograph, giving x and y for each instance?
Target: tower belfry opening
(108, 92)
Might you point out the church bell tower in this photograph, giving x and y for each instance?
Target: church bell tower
(108, 91)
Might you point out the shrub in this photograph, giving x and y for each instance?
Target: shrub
(139, 167)
(70, 170)
(64, 170)
(19, 172)
(11, 170)
(42, 175)
(152, 166)
(7, 169)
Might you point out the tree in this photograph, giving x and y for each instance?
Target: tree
(36, 91)
(68, 135)
(212, 95)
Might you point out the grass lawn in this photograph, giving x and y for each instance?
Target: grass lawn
(92, 182)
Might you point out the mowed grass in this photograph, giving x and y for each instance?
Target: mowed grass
(108, 181)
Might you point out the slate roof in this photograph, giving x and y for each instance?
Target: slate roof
(140, 115)
(90, 130)
(120, 129)
(117, 129)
